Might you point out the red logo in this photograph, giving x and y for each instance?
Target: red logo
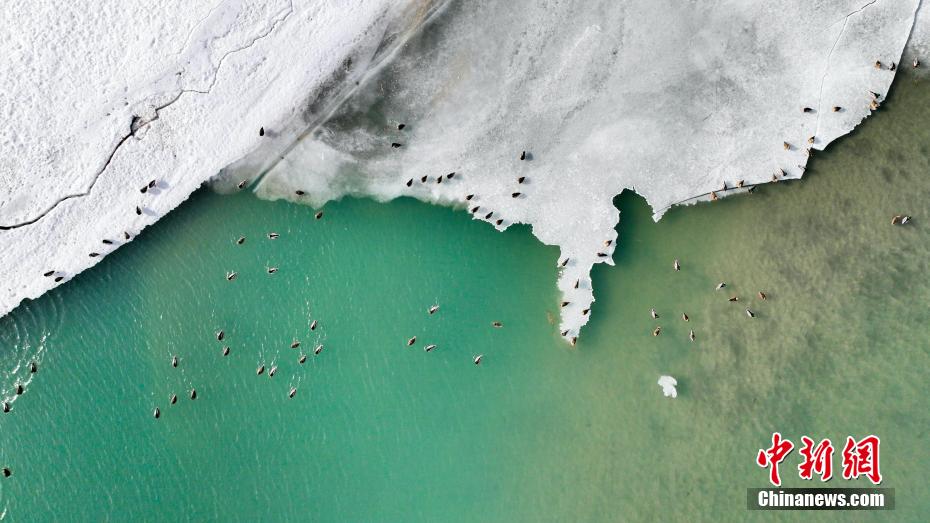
(860, 458)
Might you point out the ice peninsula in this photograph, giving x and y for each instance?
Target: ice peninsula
(672, 100)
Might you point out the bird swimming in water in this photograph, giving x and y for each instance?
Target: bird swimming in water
(226, 351)
(318, 215)
(19, 389)
(272, 270)
(429, 347)
(734, 298)
(657, 331)
(242, 184)
(916, 63)
(174, 361)
(691, 335)
(652, 312)
(220, 335)
(750, 313)
(720, 286)
(292, 392)
(411, 341)
(6, 407)
(762, 295)
(157, 413)
(33, 367)
(433, 309)
(685, 317)
(313, 325)
(295, 344)
(173, 399)
(273, 235)
(477, 359)
(676, 265)
(497, 324)
(231, 275)
(193, 394)
(272, 371)
(302, 359)
(7, 472)
(260, 370)
(318, 349)
(241, 240)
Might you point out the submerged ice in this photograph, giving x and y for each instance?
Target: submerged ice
(543, 112)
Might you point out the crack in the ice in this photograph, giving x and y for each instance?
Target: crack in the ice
(135, 128)
(826, 67)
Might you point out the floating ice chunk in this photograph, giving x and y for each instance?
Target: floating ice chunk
(668, 384)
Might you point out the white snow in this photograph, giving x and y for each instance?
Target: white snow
(670, 99)
(668, 385)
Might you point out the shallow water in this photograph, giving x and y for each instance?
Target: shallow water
(379, 431)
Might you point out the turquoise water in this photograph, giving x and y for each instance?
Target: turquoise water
(379, 431)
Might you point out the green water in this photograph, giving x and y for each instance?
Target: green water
(539, 431)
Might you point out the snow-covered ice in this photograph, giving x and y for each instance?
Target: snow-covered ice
(669, 99)
(668, 385)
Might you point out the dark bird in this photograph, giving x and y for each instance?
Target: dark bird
(313, 325)
(261, 131)
(499, 221)
(226, 351)
(59, 278)
(318, 215)
(260, 370)
(564, 262)
(395, 145)
(272, 371)
(411, 341)
(173, 399)
(521, 179)
(685, 317)
(734, 298)
(523, 155)
(497, 324)
(272, 270)
(33, 367)
(49, 273)
(657, 331)
(577, 282)
(295, 344)
(292, 392)
(242, 184)
(19, 389)
(585, 312)
(475, 209)
(762, 295)
(126, 235)
(477, 359)
(7, 472)
(94, 254)
(837, 108)
(273, 235)
(193, 394)
(318, 349)
(807, 110)
(450, 175)
(515, 194)
(564, 304)
(107, 242)
(423, 179)
(298, 192)
(409, 182)
(469, 197)
(151, 184)
(303, 358)
(7, 407)
(488, 215)
(157, 413)
(174, 361)
(220, 335)
(439, 179)
(138, 211)
(241, 240)
(144, 189)
(230, 276)
(400, 126)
